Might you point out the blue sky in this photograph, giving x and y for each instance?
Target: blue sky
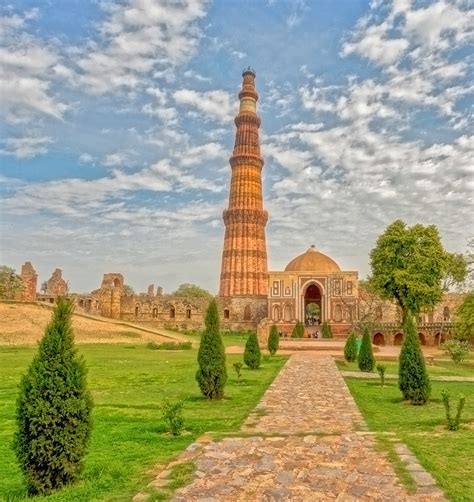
(117, 126)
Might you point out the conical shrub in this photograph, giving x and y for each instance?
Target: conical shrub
(53, 409)
(366, 356)
(326, 331)
(252, 354)
(212, 373)
(350, 348)
(413, 380)
(273, 340)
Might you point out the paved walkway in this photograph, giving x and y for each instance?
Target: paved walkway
(305, 441)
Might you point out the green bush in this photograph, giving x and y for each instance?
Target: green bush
(170, 345)
(238, 369)
(413, 380)
(381, 368)
(298, 330)
(453, 422)
(326, 330)
(456, 350)
(366, 359)
(273, 340)
(252, 354)
(350, 348)
(173, 416)
(53, 409)
(212, 373)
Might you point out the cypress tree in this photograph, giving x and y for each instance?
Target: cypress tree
(273, 340)
(350, 348)
(366, 357)
(252, 354)
(326, 331)
(413, 380)
(53, 409)
(212, 373)
(298, 330)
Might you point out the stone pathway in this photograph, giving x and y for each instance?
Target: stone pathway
(305, 441)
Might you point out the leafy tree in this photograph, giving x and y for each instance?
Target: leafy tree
(53, 409)
(326, 331)
(44, 287)
(464, 320)
(252, 354)
(212, 373)
(366, 359)
(191, 291)
(456, 350)
(273, 340)
(10, 283)
(409, 265)
(313, 309)
(413, 380)
(128, 290)
(350, 348)
(381, 368)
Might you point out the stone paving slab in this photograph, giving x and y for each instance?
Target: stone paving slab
(308, 395)
(305, 444)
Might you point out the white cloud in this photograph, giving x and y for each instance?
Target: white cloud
(26, 73)
(140, 38)
(87, 158)
(216, 105)
(26, 147)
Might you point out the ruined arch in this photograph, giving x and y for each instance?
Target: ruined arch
(137, 310)
(398, 339)
(247, 313)
(188, 313)
(172, 313)
(422, 338)
(439, 339)
(154, 312)
(226, 313)
(378, 339)
(117, 282)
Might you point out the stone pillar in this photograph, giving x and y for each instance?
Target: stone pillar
(30, 282)
(244, 270)
(56, 285)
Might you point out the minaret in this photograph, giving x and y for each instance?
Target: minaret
(244, 269)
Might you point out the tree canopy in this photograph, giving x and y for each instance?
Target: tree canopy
(191, 291)
(409, 265)
(10, 283)
(464, 320)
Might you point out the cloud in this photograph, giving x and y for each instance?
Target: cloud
(87, 158)
(26, 147)
(27, 71)
(139, 39)
(215, 105)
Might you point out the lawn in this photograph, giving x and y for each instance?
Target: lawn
(128, 383)
(440, 367)
(448, 455)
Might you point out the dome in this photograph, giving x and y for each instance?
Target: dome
(312, 261)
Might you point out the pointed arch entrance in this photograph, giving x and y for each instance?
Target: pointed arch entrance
(312, 304)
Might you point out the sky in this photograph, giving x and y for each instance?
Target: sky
(117, 127)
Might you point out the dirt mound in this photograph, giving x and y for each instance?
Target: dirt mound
(25, 324)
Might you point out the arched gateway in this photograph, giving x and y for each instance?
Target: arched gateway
(312, 304)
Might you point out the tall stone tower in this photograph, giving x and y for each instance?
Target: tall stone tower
(244, 269)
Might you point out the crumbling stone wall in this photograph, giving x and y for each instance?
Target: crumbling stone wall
(30, 283)
(56, 285)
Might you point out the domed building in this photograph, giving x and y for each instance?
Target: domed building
(313, 289)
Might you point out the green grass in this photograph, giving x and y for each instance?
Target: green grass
(448, 455)
(128, 383)
(440, 367)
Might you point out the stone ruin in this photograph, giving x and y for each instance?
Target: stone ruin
(56, 285)
(30, 281)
